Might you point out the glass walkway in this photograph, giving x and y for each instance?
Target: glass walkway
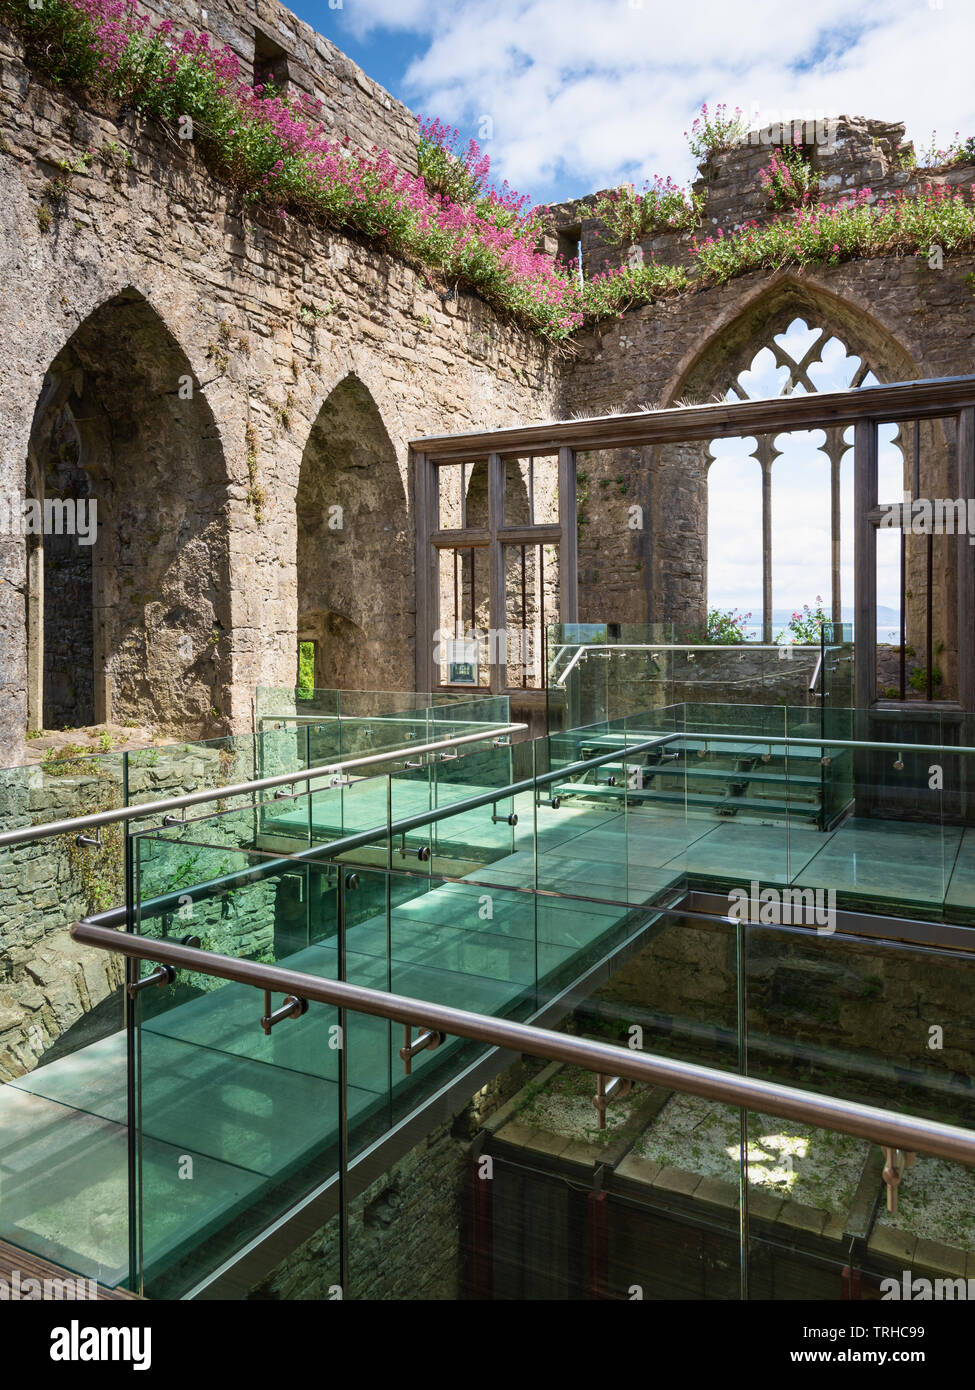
(511, 879)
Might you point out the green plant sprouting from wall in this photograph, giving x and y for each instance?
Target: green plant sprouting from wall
(97, 872)
(714, 131)
(789, 179)
(68, 760)
(256, 496)
(918, 679)
(661, 206)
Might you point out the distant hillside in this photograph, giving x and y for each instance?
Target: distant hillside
(885, 616)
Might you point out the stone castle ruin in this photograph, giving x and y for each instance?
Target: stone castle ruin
(269, 453)
(225, 385)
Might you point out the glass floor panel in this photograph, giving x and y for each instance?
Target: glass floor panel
(251, 1109)
(960, 896)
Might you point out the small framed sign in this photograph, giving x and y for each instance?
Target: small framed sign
(462, 665)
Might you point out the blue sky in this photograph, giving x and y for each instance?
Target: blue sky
(585, 93)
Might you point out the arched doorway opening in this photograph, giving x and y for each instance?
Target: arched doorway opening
(127, 612)
(356, 615)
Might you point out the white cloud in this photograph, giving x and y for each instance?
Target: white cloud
(586, 94)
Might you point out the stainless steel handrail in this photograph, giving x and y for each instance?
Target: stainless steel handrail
(406, 718)
(561, 680)
(887, 1128)
(583, 648)
(29, 833)
(824, 741)
(331, 849)
(815, 675)
(724, 647)
(626, 749)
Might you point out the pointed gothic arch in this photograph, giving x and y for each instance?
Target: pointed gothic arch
(792, 337)
(135, 624)
(712, 367)
(354, 560)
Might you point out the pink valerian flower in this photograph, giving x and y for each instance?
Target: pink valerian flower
(271, 139)
(277, 144)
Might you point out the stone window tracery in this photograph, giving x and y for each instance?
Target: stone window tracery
(799, 484)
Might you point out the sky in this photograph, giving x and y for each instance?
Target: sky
(571, 96)
(576, 95)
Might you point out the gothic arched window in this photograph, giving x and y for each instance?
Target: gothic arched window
(799, 484)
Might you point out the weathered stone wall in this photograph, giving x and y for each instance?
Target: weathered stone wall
(313, 359)
(858, 154)
(49, 985)
(264, 322)
(842, 1008)
(354, 106)
(55, 995)
(403, 1232)
(916, 322)
(406, 1230)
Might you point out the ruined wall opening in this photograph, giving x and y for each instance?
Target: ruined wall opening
(779, 534)
(61, 656)
(793, 338)
(270, 62)
(355, 563)
(127, 614)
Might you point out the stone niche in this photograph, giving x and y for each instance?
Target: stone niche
(355, 563)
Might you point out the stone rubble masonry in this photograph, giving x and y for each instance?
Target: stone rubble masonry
(864, 154)
(48, 983)
(867, 1003)
(404, 1234)
(264, 315)
(907, 320)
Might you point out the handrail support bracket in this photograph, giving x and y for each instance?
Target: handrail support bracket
(426, 1041)
(293, 1007)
